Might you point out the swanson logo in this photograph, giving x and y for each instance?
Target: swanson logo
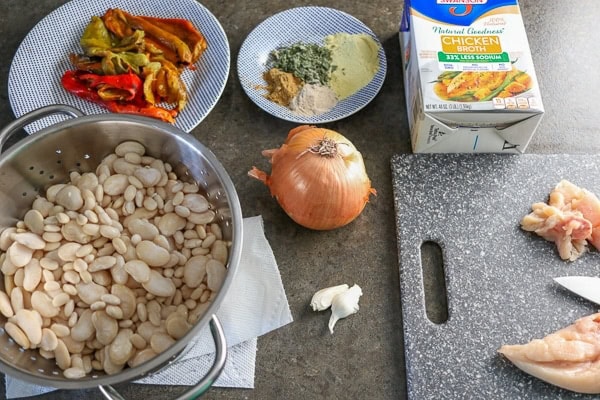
(465, 7)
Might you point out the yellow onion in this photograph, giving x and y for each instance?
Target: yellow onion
(318, 177)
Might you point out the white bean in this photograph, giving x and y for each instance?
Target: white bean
(69, 289)
(63, 358)
(19, 254)
(154, 312)
(160, 342)
(195, 270)
(159, 286)
(109, 232)
(130, 147)
(152, 254)
(114, 312)
(68, 251)
(139, 270)
(69, 197)
(148, 176)
(110, 299)
(178, 198)
(48, 263)
(115, 185)
(98, 305)
(195, 203)
(202, 218)
(83, 330)
(119, 245)
(209, 240)
(69, 308)
(90, 292)
(142, 312)
(16, 299)
(102, 263)
(43, 304)
(5, 306)
(170, 223)
(17, 334)
(33, 275)
(8, 268)
(60, 300)
(141, 357)
(137, 341)
(177, 326)
(30, 240)
(30, 323)
(49, 340)
(118, 274)
(107, 365)
(74, 373)
(219, 251)
(60, 330)
(121, 348)
(127, 298)
(84, 251)
(80, 265)
(215, 273)
(6, 238)
(106, 327)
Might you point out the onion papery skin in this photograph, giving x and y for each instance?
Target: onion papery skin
(316, 191)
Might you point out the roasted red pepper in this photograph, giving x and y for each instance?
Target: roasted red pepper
(124, 87)
(118, 93)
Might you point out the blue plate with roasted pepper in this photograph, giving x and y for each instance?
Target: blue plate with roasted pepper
(167, 60)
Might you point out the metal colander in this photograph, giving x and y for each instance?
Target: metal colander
(79, 144)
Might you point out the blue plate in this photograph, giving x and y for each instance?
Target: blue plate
(43, 57)
(307, 25)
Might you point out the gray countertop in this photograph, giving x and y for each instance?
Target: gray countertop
(364, 358)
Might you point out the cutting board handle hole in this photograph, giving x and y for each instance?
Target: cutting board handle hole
(436, 298)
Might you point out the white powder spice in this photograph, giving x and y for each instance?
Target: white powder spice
(313, 100)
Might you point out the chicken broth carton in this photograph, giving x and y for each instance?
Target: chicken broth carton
(468, 75)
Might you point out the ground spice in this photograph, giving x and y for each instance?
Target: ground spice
(282, 86)
(356, 59)
(313, 100)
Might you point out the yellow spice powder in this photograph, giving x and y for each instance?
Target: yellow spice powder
(356, 59)
(282, 86)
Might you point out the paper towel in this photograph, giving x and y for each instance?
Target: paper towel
(256, 304)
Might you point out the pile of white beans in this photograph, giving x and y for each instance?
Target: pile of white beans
(113, 267)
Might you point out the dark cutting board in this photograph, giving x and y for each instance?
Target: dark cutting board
(498, 277)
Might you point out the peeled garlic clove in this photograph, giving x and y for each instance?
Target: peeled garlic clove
(344, 305)
(322, 299)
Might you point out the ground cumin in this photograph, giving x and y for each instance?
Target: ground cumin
(282, 86)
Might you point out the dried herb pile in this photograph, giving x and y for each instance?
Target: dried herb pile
(309, 62)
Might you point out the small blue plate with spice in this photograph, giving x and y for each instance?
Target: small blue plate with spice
(311, 65)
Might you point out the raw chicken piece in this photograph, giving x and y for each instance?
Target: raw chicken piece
(568, 358)
(570, 219)
(568, 196)
(567, 229)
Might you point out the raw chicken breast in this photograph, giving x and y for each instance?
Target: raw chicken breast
(567, 229)
(568, 358)
(568, 196)
(570, 220)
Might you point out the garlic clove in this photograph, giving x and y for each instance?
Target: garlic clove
(322, 299)
(344, 305)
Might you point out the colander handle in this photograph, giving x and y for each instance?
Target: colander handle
(33, 116)
(207, 381)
